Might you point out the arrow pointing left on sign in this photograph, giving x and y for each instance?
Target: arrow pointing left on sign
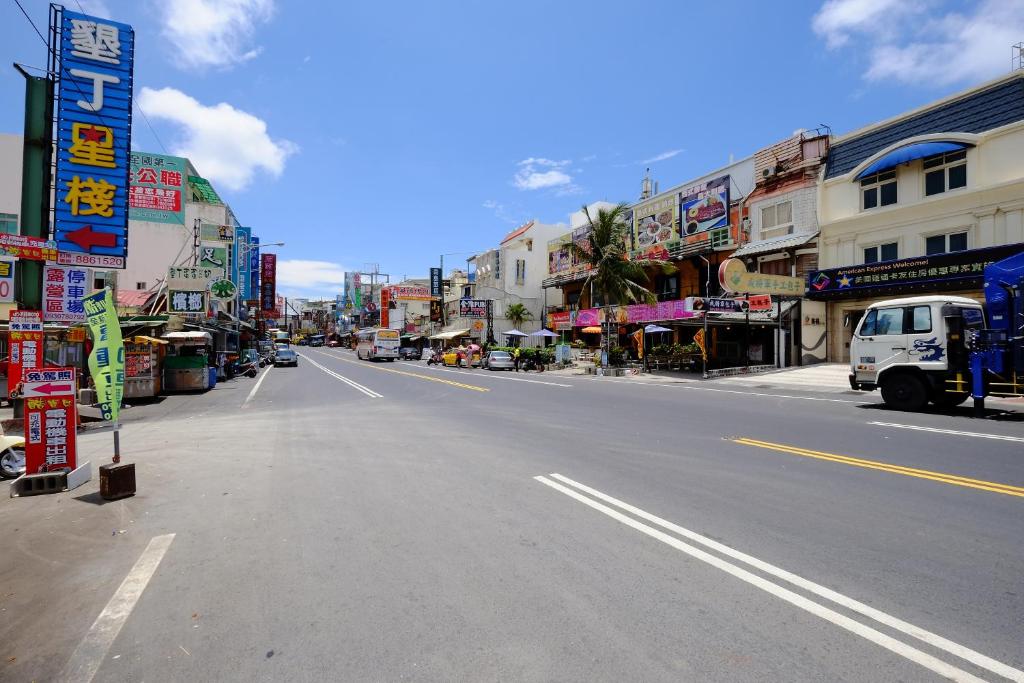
(87, 238)
(50, 388)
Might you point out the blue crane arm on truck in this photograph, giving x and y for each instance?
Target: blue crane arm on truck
(939, 349)
(997, 352)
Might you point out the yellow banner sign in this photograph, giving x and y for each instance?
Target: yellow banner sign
(106, 362)
(735, 279)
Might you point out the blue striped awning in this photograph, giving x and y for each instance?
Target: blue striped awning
(917, 150)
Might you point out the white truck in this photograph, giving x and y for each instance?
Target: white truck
(939, 349)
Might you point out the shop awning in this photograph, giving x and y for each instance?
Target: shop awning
(188, 336)
(143, 339)
(916, 150)
(450, 335)
(774, 244)
(594, 329)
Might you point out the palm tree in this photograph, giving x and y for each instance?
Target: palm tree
(517, 314)
(617, 279)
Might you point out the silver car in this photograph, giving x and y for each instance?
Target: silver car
(286, 357)
(498, 360)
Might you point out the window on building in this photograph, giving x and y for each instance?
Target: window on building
(666, 287)
(9, 223)
(98, 281)
(942, 244)
(573, 299)
(878, 189)
(944, 172)
(140, 285)
(520, 271)
(881, 252)
(777, 220)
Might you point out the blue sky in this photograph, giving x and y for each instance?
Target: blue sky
(392, 132)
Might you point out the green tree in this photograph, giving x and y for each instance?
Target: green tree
(517, 314)
(617, 279)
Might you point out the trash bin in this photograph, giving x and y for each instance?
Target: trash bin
(213, 377)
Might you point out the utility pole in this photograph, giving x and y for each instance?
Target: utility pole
(37, 152)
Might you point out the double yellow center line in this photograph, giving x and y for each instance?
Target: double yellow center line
(942, 477)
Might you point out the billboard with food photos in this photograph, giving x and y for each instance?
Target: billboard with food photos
(655, 227)
(705, 206)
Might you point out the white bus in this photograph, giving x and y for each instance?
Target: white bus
(377, 343)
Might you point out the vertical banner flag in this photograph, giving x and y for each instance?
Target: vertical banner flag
(254, 267)
(385, 304)
(26, 346)
(94, 119)
(63, 292)
(106, 362)
(268, 282)
(51, 420)
(243, 237)
(435, 282)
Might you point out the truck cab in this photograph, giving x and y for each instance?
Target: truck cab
(915, 350)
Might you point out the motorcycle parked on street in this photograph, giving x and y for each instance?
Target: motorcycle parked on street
(436, 358)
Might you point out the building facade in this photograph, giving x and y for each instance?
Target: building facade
(919, 203)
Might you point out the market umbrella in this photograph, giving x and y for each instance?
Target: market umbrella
(544, 333)
(516, 333)
(651, 329)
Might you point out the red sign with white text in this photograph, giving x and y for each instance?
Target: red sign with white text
(51, 420)
(385, 304)
(759, 302)
(26, 346)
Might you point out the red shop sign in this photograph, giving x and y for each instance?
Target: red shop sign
(51, 420)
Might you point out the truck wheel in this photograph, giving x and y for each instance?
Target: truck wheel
(946, 399)
(904, 391)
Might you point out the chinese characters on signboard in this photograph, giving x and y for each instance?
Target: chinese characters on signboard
(157, 185)
(93, 135)
(705, 206)
(655, 227)
(268, 282)
(410, 293)
(6, 281)
(214, 255)
(240, 274)
(186, 288)
(473, 308)
(254, 267)
(435, 282)
(51, 420)
(385, 305)
(63, 291)
(106, 362)
(26, 345)
(28, 247)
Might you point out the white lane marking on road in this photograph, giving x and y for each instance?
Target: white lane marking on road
(355, 385)
(490, 375)
(881, 617)
(681, 385)
(89, 655)
(954, 432)
(256, 387)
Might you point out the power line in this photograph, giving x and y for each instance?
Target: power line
(16, 2)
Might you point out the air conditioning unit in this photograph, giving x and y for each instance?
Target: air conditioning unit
(771, 171)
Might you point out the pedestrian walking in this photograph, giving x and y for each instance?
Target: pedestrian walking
(515, 358)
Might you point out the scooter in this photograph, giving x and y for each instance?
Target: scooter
(12, 456)
(436, 358)
(248, 369)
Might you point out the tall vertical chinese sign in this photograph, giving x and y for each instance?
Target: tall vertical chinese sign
(106, 362)
(26, 346)
(94, 119)
(385, 304)
(63, 292)
(254, 267)
(268, 282)
(243, 239)
(51, 420)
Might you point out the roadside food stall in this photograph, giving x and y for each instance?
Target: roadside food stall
(187, 361)
(143, 364)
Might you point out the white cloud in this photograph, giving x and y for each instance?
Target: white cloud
(227, 145)
(909, 42)
(661, 157)
(531, 175)
(214, 33)
(310, 277)
(589, 158)
(501, 212)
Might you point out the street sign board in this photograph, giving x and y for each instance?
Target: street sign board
(64, 287)
(435, 282)
(75, 258)
(26, 344)
(51, 420)
(6, 281)
(223, 290)
(94, 117)
(27, 247)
